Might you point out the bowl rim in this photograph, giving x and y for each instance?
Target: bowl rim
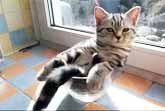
(79, 78)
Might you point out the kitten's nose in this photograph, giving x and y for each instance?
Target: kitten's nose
(118, 37)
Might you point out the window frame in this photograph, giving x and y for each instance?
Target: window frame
(51, 13)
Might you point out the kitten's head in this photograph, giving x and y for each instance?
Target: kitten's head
(116, 28)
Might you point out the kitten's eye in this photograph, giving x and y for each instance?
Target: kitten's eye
(125, 29)
(109, 29)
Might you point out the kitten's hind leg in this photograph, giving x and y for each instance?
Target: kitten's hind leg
(45, 96)
(45, 71)
(62, 59)
(57, 78)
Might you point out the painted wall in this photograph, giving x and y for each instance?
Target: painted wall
(16, 29)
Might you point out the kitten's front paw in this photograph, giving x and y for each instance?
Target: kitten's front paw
(95, 79)
(94, 85)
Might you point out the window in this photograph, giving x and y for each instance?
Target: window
(73, 14)
(78, 15)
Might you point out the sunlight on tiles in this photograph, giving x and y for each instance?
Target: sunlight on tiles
(127, 101)
(133, 83)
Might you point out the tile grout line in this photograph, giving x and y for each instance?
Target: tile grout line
(19, 89)
(28, 68)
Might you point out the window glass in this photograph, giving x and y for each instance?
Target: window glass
(78, 15)
(74, 14)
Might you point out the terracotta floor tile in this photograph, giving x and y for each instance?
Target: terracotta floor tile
(6, 90)
(50, 52)
(32, 90)
(133, 83)
(20, 55)
(13, 70)
(94, 106)
(39, 66)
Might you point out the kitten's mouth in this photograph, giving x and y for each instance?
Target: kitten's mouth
(118, 40)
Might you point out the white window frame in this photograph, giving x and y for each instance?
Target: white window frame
(146, 57)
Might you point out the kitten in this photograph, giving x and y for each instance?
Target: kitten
(94, 58)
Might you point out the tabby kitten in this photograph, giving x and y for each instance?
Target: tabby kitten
(94, 58)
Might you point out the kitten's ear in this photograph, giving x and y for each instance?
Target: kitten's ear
(100, 14)
(133, 14)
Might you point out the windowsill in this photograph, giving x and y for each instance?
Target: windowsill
(149, 49)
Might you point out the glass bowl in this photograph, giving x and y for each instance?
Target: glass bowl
(78, 89)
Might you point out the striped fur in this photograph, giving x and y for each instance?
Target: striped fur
(93, 58)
